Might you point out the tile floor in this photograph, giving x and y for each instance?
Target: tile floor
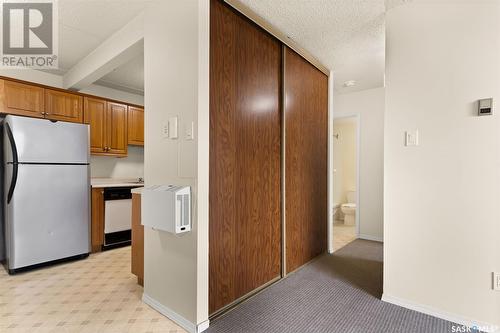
(97, 294)
(342, 235)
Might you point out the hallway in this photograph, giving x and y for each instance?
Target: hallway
(336, 293)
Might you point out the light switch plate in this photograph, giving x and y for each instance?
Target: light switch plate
(164, 130)
(173, 128)
(496, 281)
(411, 138)
(190, 131)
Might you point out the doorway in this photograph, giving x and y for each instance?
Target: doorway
(346, 210)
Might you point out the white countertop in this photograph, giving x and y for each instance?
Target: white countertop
(114, 182)
(137, 190)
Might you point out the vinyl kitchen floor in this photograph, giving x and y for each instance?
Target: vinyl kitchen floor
(97, 294)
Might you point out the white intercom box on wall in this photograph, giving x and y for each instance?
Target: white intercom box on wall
(167, 208)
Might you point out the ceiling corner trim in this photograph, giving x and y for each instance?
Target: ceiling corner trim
(250, 14)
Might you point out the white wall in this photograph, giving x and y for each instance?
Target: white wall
(111, 93)
(344, 158)
(442, 198)
(33, 76)
(131, 166)
(369, 105)
(176, 84)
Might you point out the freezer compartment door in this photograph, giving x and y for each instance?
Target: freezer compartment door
(45, 141)
(49, 213)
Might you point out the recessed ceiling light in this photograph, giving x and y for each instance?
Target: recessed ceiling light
(350, 83)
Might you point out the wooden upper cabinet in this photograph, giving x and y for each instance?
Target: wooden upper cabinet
(63, 106)
(21, 99)
(108, 126)
(108, 120)
(116, 128)
(135, 126)
(95, 115)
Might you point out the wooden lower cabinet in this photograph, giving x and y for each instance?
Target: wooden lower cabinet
(137, 239)
(97, 219)
(21, 99)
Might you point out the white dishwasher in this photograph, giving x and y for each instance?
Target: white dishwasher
(117, 217)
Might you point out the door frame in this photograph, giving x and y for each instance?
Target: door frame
(331, 198)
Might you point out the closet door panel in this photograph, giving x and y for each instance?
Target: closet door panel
(306, 135)
(222, 208)
(245, 226)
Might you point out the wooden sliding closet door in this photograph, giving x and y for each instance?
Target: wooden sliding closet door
(306, 135)
(245, 227)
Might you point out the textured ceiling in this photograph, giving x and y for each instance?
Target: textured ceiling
(85, 24)
(347, 36)
(128, 77)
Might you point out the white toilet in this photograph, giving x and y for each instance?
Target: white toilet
(349, 209)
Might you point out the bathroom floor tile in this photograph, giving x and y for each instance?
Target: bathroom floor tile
(342, 235)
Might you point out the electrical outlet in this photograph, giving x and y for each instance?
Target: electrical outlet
(496, 281)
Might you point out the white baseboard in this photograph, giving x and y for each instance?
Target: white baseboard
(174, 316)
(371, 238)
(484, 327)
(203, 326)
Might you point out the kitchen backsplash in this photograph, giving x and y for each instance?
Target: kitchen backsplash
(131, 166)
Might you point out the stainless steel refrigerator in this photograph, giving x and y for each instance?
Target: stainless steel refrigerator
(46, 181)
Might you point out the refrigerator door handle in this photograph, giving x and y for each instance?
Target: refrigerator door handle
(14, 163)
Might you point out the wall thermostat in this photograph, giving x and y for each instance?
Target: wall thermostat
(485, 107)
